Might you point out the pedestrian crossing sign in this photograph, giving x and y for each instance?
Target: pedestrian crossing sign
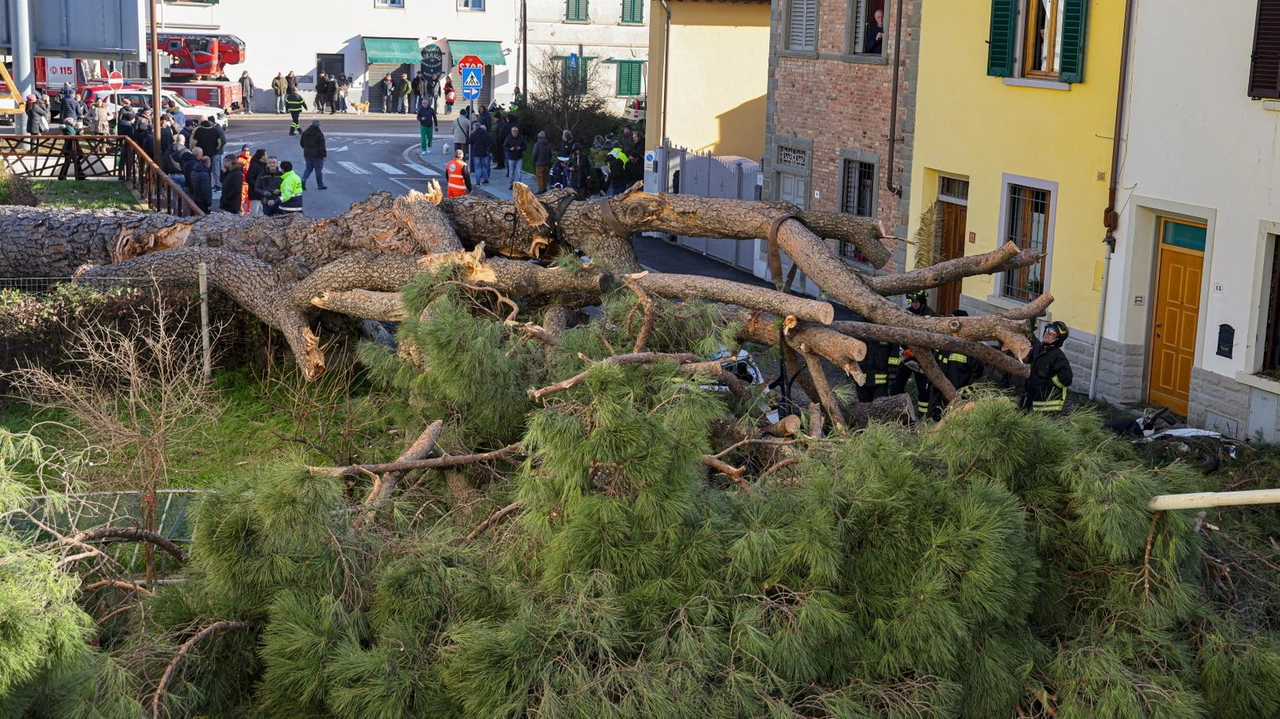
(471, 78)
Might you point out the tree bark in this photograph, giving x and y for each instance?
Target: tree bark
(286, 270)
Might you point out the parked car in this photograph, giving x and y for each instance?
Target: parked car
(138, 96)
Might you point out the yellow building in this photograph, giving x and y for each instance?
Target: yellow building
(708, 75)
(1016, 106)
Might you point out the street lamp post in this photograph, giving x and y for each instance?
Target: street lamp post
(154, 61)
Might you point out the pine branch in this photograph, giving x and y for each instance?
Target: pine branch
(492, 520)
(130, 534)
(421, 448)
(433, 463)
(182, 652)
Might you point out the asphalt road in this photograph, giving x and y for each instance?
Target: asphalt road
(365, 155)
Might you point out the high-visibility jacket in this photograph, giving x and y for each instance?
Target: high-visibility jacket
(293, 102)
(459, 183)
(291, 192)
(1046, 388)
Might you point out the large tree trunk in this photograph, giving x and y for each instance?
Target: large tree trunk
(286, 270)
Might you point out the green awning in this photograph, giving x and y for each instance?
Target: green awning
(391, 49)
(488, 50)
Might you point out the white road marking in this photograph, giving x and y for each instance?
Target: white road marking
(353, 168)
(422, 169)
(389, 169)
(406, 185)
(344, 148)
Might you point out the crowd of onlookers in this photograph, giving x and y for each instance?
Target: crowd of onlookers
(491, 138)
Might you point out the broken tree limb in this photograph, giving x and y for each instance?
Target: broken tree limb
(1005, 258)
(492, 520)
(421, 448)
(929, 366)
(825, 396)
(186, 647)
(626, 359)
(897, 335)
(728, 470)
(1204, 500)
(128, 534)
(444, 462)
(733, 293)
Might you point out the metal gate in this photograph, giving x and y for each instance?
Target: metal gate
(678, 170)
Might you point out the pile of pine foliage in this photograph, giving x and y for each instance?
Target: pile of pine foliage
(990, 565)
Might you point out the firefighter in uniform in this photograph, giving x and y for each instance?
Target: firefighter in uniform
(458, 176)
(1046, 388)
(907, 366)
(881, 357)
(960, 369)
(294, 105)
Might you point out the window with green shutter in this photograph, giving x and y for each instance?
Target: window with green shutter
(1053, 39)
(633, 11)
(1001, 46)
(574, 80)
(629, 72)
(575, 11)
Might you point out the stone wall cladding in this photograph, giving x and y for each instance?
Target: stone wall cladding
(1222, 395)
(842, 102)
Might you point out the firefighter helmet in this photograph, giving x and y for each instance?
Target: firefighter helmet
(1060, 329)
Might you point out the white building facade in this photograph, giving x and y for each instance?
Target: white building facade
(1193, 299)
(365, 39)
(608, 39)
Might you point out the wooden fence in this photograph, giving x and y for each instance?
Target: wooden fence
(82, 157)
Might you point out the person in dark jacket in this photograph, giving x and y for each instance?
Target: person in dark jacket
(480, 143)
(513, 146)
(294, 105)
(314, 153)
(257, 166)
(873, 42)
(419, 89)
(175, 160)
(876, 366)
(428, 123)
(908, 365)
(210, 138)
(403, 90)
(232, 185)
(322, 92)
(617, 169)
(960, 369)
(579, 170)
(560, 172)
(200, 181)
(542, 158)
(388, 87)
(290, 83)
(267, 187)
(1046, 389)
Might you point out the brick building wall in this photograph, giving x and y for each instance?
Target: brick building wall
(835, 105)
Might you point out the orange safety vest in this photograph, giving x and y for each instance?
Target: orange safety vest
(457, 185)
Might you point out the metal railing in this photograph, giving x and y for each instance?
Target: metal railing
(96, 156)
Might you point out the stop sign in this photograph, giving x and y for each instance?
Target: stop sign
(115, 80)
(471, 62)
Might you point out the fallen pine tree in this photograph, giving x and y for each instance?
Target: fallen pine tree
(615, 537)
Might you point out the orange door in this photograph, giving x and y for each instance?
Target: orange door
(1175, 318)
(953, 229)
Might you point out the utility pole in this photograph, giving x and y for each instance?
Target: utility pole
(20, 31)
(524, 48)
(153, 60)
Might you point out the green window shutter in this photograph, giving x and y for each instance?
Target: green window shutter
(633, 11)
(575, 10)
(1001, 49)
(1075, 14)
(628, 78)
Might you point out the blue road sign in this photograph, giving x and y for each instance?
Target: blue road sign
(472, 82)
(573, 61)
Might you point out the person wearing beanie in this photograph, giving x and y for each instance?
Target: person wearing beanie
(542, 156)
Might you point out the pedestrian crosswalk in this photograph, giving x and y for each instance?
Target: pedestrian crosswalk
(356, 168)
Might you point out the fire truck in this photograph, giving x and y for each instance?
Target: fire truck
(198, 71)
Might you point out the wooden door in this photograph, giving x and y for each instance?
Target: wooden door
(953, 234)
(1176, 313)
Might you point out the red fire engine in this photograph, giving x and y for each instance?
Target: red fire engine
(202, 57)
